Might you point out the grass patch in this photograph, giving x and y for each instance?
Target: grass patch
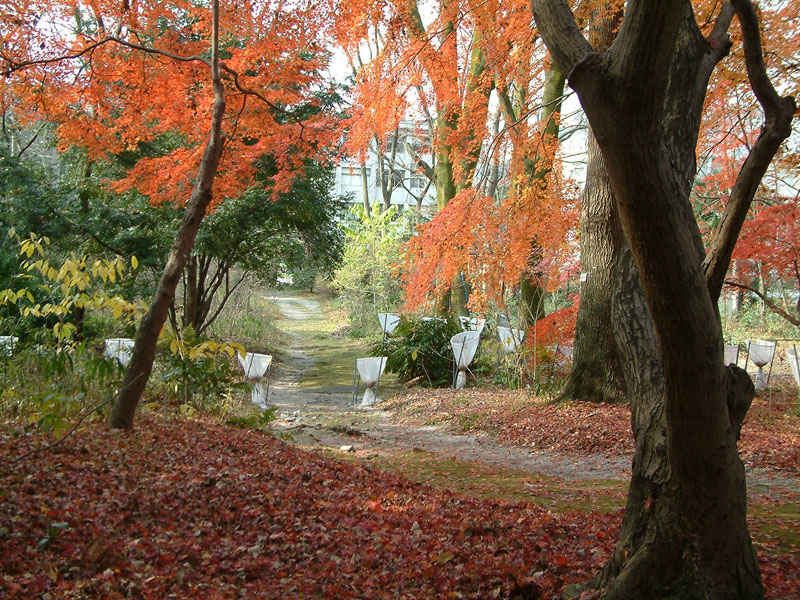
(323, 337)
(500, 483)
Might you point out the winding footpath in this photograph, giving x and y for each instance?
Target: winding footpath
(325, 417)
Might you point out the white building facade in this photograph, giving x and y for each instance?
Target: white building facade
(392, 169)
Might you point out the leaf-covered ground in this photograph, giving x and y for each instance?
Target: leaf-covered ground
(770, 436)
(191, 508)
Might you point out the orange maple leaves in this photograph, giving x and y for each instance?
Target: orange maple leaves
(139, 80)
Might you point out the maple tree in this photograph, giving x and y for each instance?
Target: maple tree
(471, 52)
(114, 75)
(446, 66)
(771, 240)
(696, 416)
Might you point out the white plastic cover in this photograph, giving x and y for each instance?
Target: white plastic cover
(563, 355)
(254, 365)
(761, 352)
(511, 338)
(120, 348)
(472, 323)
(370, 370)
(7, 343)
(793, 354)
(388, 322)
(258, 395)
(465, 344)
(731, 354)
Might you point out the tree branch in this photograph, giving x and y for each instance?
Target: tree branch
(223, 302)
(778, 113)
(419, 162)
(16, 66)
(772, 306)
(564, 40)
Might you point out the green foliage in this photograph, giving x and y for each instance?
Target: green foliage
(52, 294)
(259, 421)
(367, 281)
(199, 373)
(50, 387)
(751, 321)
(421, 348)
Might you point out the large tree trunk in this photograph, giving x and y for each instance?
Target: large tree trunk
(644, 528)
(144, 349)
(644, 100)
(596, 370)
(596, 374)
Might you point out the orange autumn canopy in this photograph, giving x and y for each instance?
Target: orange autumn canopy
(115, 75)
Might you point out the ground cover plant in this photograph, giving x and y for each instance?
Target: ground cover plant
(184, 507)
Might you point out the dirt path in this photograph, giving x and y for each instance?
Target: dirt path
(324, 417)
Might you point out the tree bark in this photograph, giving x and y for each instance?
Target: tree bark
(686, 536)
(596, 374)
(365, 189)
(138, 372)
(192, 300)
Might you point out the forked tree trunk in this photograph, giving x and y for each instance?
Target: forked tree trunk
(144, 349)
(686, 536)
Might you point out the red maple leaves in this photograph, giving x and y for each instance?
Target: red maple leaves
(190, 508)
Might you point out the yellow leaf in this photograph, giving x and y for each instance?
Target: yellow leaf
(444, 557)
(134, 262)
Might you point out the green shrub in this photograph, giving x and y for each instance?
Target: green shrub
(199, 373)
(259, 421)
(421, 349)
(51, 387)
(367, 281)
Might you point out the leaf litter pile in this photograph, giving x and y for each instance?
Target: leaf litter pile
(191, 508)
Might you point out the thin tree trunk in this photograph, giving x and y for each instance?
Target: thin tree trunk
(537, 169)
(365, 189)
(192, 301)
(141, 364)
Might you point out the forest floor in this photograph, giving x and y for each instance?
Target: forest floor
(481, 493)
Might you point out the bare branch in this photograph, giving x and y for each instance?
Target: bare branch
(772, 306)
(778, 113)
